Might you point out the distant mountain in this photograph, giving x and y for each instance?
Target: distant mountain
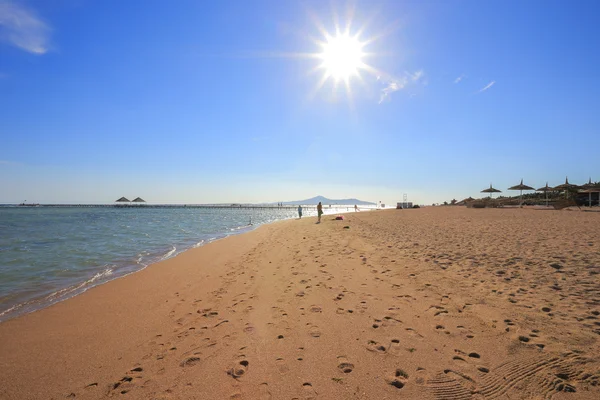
(326, 201)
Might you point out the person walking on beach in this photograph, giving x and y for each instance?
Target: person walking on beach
(356, 208)
(300, 211)
(319, 212)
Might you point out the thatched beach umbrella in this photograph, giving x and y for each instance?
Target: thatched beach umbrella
(465, 201)
(521, 187)
(123, 200)
(590, 188)
(491, 190)
(545, 189)
(138, 200)
(566, 187)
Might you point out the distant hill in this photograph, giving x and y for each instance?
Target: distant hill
(326, 201)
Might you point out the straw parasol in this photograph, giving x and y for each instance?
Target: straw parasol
(138, 200)
(590, 188)
(566, 187)
(545, 189)
(465, 201)
(491, 190)
(521, 187)
(123, 200)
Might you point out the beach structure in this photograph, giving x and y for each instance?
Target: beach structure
(545, 189)
(464, 202)
(566, 187)
(491, 190)
(590, 188)
(123, 200)
(138, 200)
(521, 187)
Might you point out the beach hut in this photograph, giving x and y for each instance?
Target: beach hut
(545, 189)
(566, 187)
(491, 190)
(138, 200)
(521, 187)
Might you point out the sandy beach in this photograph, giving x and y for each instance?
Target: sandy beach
(431, 303)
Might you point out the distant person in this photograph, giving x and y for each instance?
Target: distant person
(319, 212)
(356, 208)
(300, 211)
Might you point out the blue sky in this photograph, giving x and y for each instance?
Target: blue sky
(203, 102)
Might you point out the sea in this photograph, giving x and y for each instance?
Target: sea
(49, 254)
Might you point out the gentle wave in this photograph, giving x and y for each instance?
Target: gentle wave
(169, 253)
(59, 295)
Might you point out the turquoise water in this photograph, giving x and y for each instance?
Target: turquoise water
(50, 254)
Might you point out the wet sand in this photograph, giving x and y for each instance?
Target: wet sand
(432, 303)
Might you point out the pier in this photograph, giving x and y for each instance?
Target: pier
(207, 206)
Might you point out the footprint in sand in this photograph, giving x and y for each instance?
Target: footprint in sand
(264, 392)
(125, 384)
(376, 347)
(344, 365)
(282, 365)
(414, 333)
(208, 313)
(315, 309)
(239, 369)
(314, 331)
(394, 347)
(189, 361)
(470, 361)
(391, 319)
(398, 379)
(531, 339)
(308, 392)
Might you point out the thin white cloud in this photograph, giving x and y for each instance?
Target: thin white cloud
(394, 84)
(21, 28)
(417, 75)
(489, 85)
(460, 78)
(391, 86)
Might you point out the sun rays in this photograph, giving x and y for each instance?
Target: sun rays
(342, 54)
(342, 57)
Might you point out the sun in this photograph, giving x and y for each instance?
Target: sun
(342, 57)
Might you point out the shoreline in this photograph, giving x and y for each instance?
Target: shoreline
(298, 309)
(46, 300)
